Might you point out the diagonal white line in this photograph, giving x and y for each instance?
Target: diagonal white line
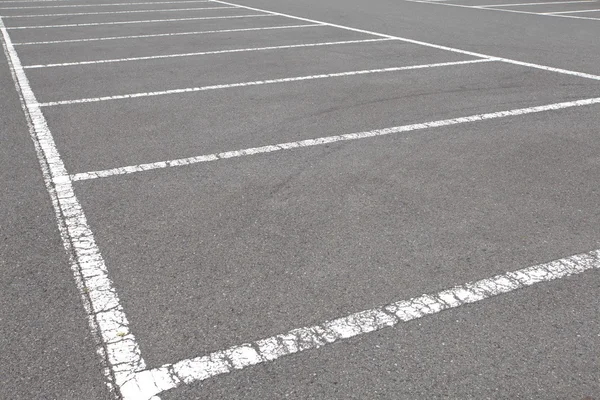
(257, 83)
(327, 140)
(102, 4)
(154, 381)
(138, 22)
(571, 12)
(117, 12)
(204, 53)
(535, 4)
(169, 34)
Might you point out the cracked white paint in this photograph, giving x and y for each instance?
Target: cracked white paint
(258, 83)
(205, 53)
(326, 140)
(116, 345)
(269, 349)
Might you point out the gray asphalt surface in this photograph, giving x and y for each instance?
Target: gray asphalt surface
(216, 254)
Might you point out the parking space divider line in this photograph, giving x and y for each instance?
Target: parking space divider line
(535, 4)
(102, 4)
(327, 140)
(204, 53)
(571, 12)
(117, 12)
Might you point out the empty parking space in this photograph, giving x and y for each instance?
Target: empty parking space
(234, 184)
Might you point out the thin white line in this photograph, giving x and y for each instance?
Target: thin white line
(157, 380)
(119, 12)
(535, 4)
(116, 344)
(104, 4)
(257, 83)
(327, 140)
(139, 22)
(435, 46)
(570, 12)
(204, 53)
(169, 34)
(489, 7)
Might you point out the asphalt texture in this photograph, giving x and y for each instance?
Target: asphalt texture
(212, 255)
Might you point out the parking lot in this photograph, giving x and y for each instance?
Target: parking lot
(277, 199)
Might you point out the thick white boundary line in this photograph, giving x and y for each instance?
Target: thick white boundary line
(103, 4)
(204, 53)
(327, 140)
(489, 7)
(535, 4)
(138, 22)
(435, 46)
(169, 34)
(118, 12)
(258, 83)
(116, 345)
(571, 12)
(170, 376)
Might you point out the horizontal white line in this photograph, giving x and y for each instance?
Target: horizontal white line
(570, 12)
(204, 53)
(118, 12)
(139, 22)
(169, 34)
(535, 4)
(103, 4)
(257, 83)
(151, 382)
(326, 140)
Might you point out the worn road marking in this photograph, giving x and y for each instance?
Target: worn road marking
(327, 140)
(116, 345)
(170, 34)
(101, 4)
(119, 12)
(258, 83)
(204, 53)
(154, 381)
(138, 22)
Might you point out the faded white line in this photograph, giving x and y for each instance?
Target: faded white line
(116, 345)
(435, 46)
(170, 376)
(118, 12)
(571, 12)
(535, 4)
(204, 53)
(327, 140)
(139, 22)
(104, 4)
(170, 34)
(258, 83)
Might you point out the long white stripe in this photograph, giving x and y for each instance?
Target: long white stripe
(104, 4)
(204, 53)
(119, 12)
(116, 344)
(150, 382)
(169, 34)
(435, 46)
(327, 140)
(571, 12)
(535, 4)
(139, 22)
(257, 83)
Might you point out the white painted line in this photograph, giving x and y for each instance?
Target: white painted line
(170, 34)
(204, 53)
(138, 22)
(150, 382)
(327, 140)
(258, 83)
(535, 4)
(119, 12)
(103, 4)
(116, 345)
(489, 7)
(570, 12)
(435, 46)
